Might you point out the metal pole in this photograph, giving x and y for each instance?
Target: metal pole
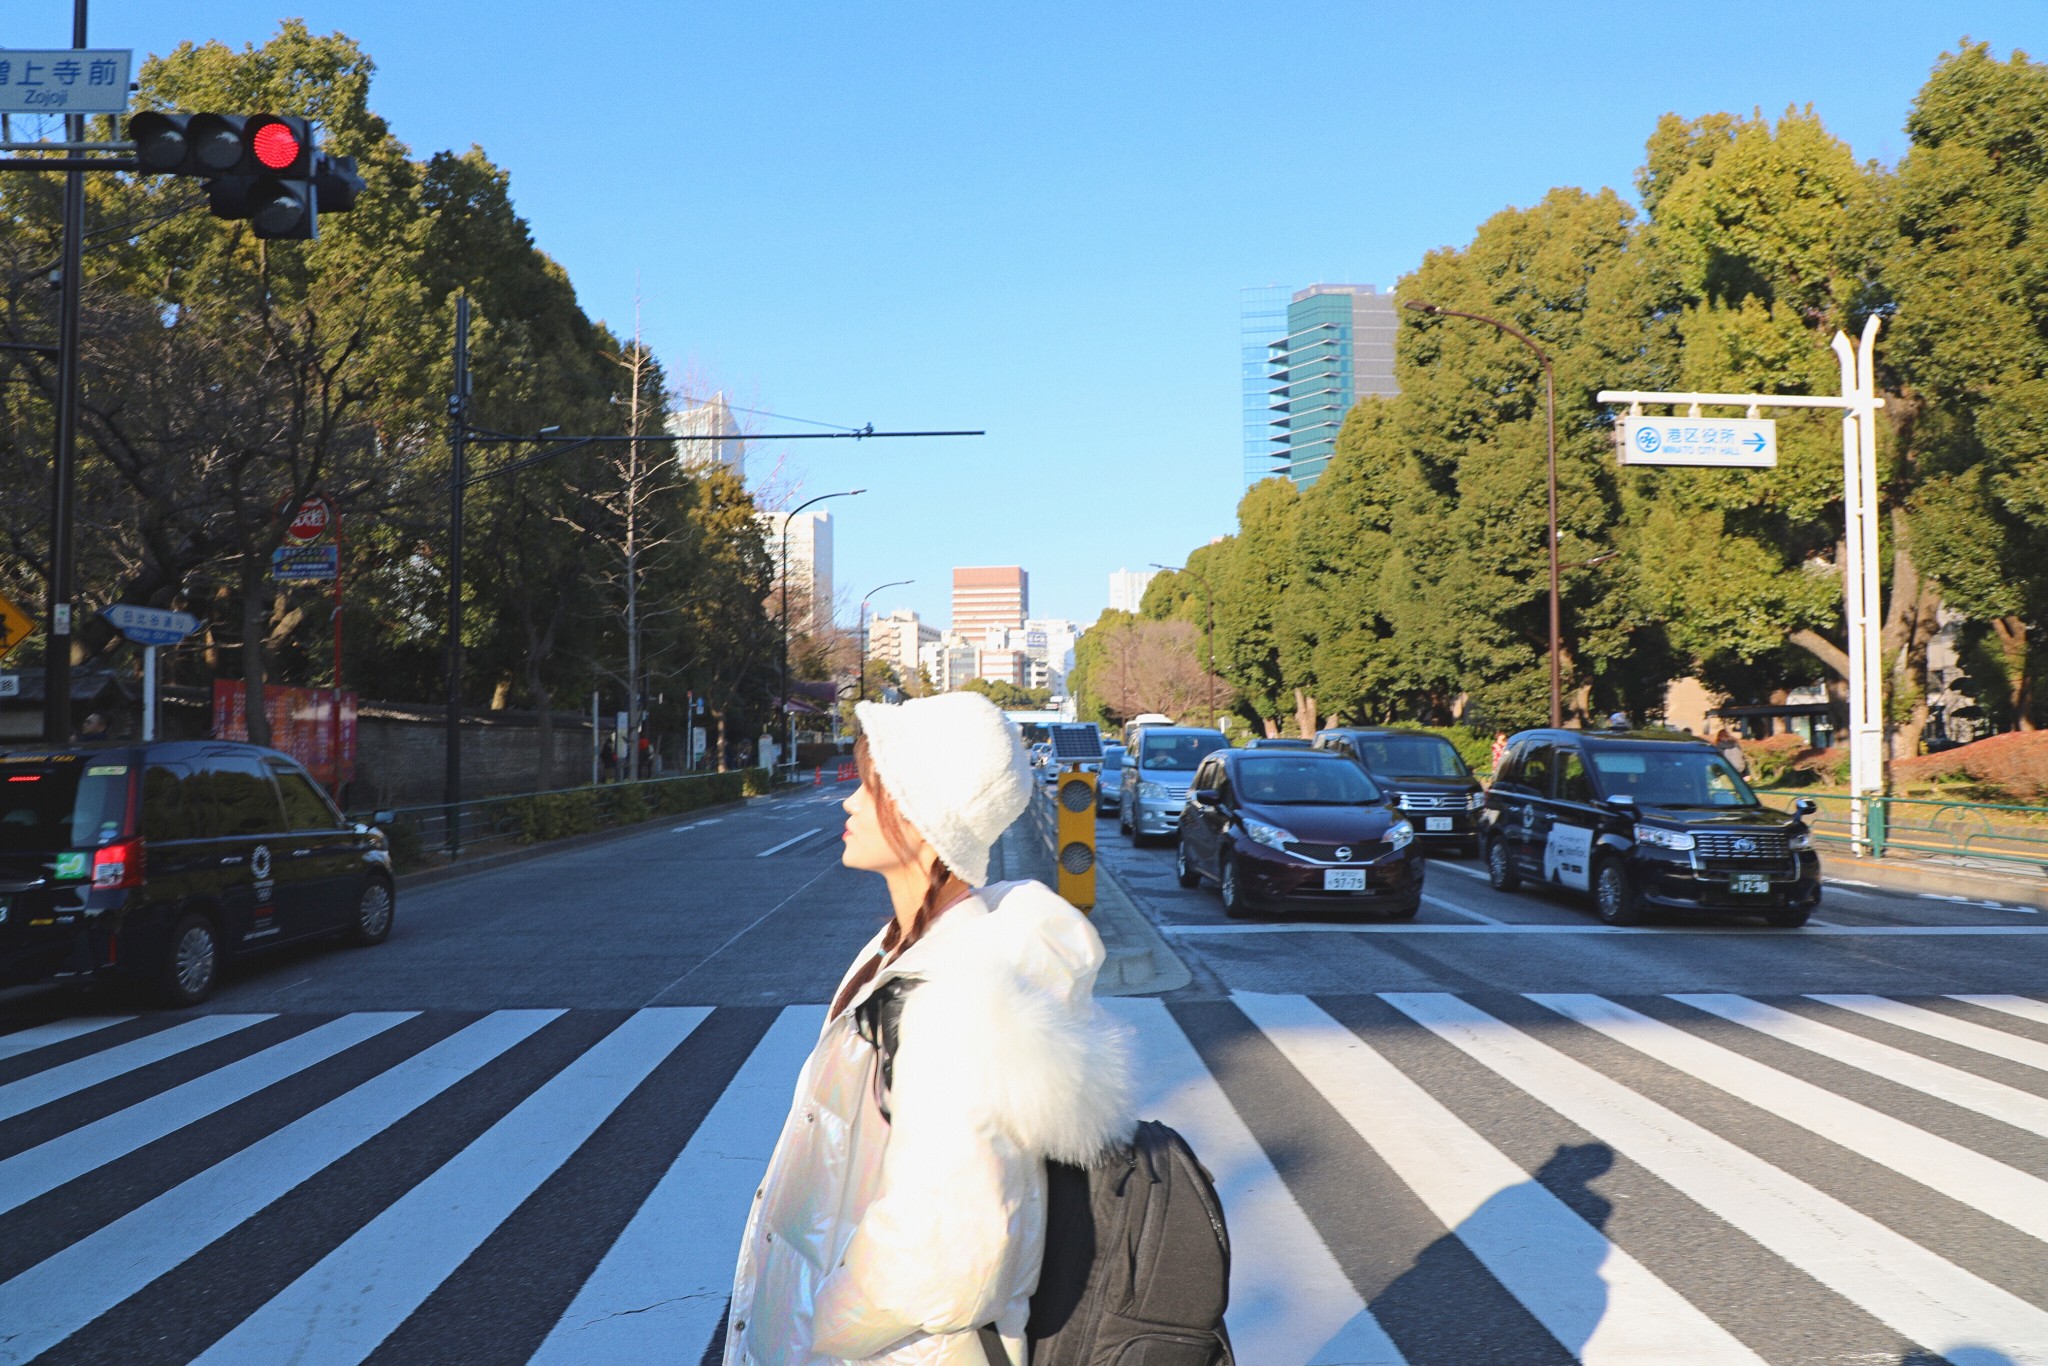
(336, 512)
(57, 654)
(458, 412)
(1550, 433)
(787, 518)
(149, 692)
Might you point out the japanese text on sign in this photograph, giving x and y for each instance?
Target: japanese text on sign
(1741, 442)
(64, 80)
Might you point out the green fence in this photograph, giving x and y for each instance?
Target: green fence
(1927, 827)
(419, 834)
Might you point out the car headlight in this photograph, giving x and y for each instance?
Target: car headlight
(1663, 839)
(1475, 801)
(1400, 834)
(1272, 836)
(1800, 842)
(1152, 791)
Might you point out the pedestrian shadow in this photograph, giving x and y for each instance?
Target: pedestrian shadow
(1966, 1355)
(1433, 1306)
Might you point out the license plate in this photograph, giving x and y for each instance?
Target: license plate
(1344, 879)
(1433, 823)
(1750, 884)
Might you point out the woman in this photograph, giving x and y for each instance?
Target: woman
(902, 1219)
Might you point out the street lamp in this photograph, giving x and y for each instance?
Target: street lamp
(1550, 431)
(863, 695)
(787, 518)
(1209, 611)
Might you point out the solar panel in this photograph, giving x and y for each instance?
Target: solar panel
(1076, 743)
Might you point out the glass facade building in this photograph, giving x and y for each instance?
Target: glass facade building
(1262, 320)
(1337, 347)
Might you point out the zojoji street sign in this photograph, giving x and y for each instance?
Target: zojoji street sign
(64, 80)
(1738, 442)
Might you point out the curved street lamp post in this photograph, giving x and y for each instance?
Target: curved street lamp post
(862, 695)
(788, 721)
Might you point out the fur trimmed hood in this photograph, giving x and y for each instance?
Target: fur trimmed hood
(1004, 1024)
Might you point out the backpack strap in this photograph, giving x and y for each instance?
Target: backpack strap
(879, 1019)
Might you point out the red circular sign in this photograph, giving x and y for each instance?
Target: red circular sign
(311, 522)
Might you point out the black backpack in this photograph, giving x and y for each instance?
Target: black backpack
(1137, 1258)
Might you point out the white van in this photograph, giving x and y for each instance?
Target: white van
(1139, 722)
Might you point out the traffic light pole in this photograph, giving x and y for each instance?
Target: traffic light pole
(458, 479)
(63, 482)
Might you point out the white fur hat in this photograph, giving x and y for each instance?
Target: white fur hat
(955, 767)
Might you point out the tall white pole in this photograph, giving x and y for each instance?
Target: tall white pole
(149, 692)
(1871, 743)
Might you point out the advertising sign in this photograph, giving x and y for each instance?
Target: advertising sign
(304, 563)
(1738, 442)
(301, 724)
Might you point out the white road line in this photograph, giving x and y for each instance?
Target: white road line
(795, 839)
(49, 1165)
(57, 1031)
(1454, 909)
(1457, 868)
(1973, 901)
(68, 1079)
(1961, 1173)
(1889, 1276)
(1600, 1302)
(664, 1282)
(60, 1295)
(1934, 1024)
(696, 825)
(1290, 1302)
(343, 1306)
(2023, 1007)
(1811, 930)
(2008, 1104)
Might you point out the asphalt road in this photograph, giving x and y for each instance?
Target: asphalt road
(528, 1127)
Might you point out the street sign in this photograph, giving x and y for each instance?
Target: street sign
(10, 685)
(150, 625)
(1738, 442)
(14, 627)
(311, 521)
(304, 563)
(64, 80)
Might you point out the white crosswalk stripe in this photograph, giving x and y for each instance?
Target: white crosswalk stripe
(82, 1257)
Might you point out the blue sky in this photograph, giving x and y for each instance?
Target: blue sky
(1035, 219)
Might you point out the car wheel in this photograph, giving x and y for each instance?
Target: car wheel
(1789, 918)
(191, 968)
(1184, 871)
(373, 914)
(1131, 831)
(1499, 871)
(1613, 895)
(1123, 820)
(1226, 883)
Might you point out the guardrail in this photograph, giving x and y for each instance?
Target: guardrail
(1988, 833)
(418, 833)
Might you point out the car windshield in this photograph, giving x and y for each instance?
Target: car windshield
(1112, 759)
(1283, 780)
(1670, 777)
(1177, 753)
(1419, 756)
(48, 807)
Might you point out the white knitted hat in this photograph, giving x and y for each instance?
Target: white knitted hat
(955, 767)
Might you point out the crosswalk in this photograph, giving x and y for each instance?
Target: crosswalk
(1410, 1177)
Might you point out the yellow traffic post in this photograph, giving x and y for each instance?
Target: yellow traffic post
(1074, 831)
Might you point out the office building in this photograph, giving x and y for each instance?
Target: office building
(898, 640)
(949, 661)
(1337, 349)
(702, 420)
(1049, 646)
(989, 596)
(1262, 320)
(810, 568)
(1127, 586)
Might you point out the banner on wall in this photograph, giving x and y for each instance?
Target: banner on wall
(301, 725)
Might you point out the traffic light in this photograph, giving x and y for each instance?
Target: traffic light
(1074, 835)
(262, 167)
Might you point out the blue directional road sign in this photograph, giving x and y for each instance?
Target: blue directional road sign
(150, 625)
(1741, 442)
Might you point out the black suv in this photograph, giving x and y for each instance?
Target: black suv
(1645, 821)
(155, 862)
(1422, 775)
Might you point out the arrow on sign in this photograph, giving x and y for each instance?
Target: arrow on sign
(1756, 441)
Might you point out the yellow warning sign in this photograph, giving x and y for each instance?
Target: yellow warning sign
(14, 627)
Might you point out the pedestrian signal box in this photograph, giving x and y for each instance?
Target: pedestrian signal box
(1074, 800)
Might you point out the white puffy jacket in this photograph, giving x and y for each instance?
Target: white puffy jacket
(893, 1240)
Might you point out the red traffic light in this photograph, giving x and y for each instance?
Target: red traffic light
(277, 146)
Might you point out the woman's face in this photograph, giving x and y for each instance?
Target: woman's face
(866, 847)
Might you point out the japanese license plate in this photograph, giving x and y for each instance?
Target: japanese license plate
(1749, 884)
(1435, 823)
(1344, 879)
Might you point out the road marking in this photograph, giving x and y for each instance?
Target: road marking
(1811, 930)
(2008, 1104)
(795, 839)
(696, 825)
(1934, 1024)
(1972, 901)
(2021, 1006)
(49, 1165)
(57, 1031)
(61, 1294)
(58, 1082)
(1881, 1271)
(1444, 905)
(1962, 1174)
(664, 1281)
(1596, 1299)
(1290, 1302)
(341, 1308)
(1458, 868)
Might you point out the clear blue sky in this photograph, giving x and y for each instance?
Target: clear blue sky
(1035, 218)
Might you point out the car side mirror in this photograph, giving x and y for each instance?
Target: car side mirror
(1805, 806)
(1205, 796)
(381, 819)
(1622, 799)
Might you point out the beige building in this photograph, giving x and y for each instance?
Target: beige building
(991, 596)
(898, 640)
(810, 568)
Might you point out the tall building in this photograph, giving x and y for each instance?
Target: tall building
(810, 568)
(990, 596)
(948, 661)
(1262, 320)
(711, 417)
(1127, 586)
(1337, 349)
(898, 640)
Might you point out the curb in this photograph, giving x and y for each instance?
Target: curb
(1925, 877)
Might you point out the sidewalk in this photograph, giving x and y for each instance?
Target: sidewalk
(1139, 962)
(1918, 876)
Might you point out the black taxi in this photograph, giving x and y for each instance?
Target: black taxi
(157, 862)
(1422, 775)
(1645, 821)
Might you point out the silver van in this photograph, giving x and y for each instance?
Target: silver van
(1157, 769)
